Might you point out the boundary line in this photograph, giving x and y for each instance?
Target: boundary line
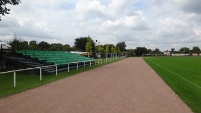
(176, 74)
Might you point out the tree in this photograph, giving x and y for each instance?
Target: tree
(24, 45)
(44, 45)
(196, 49)
(106, 50)
(18, 43)
(3, 9)
(184, 50)
(80, 43)
(66, 47)
(100, 47)
(88, 45)
(56, 47)
(33, 45)
(121, 46)
(131, 52)
(113, 49)
(139, 51)
(157, 50)
(172, 49)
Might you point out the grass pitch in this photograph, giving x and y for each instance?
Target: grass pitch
(183, 75)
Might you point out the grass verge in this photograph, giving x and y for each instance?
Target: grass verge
(183, 75)
(25, 81)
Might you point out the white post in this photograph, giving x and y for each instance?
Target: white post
(68, 67)
(84, 63)
(14, 79)
(56, 70)
(90, 63)
(40, 74)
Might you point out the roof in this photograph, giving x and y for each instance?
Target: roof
(4, 45)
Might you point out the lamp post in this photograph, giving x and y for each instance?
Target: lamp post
(95, 48)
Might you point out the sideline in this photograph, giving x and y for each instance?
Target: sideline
(175, 73)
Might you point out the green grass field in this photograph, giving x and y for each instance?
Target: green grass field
(26, 81)
(183, 75)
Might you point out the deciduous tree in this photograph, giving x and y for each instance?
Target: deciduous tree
(121, 46)
(88, 45)
(33, 45)
(196, 49)
(3, 9)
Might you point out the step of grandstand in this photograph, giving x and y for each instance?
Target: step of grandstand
(56, 57)
(61, 59)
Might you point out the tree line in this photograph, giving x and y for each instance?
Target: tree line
(139, 51)
(82, 44)
(87, 44)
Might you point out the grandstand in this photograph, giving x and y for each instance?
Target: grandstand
(56, 57)
(37, 58)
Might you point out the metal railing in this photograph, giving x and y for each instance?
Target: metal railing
(97, 61)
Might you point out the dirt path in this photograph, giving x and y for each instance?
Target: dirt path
(127, 86)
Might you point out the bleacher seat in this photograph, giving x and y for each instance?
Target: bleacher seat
(56, 57)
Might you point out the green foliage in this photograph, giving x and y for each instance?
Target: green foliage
(113, 49)
(157, 50)
(80, 43)
(100, 48)
(121, 46)
(3, 9)
(131, 52)
(107, 49)
(181, 74)
(139, 51)
(56, 47)
(33, 45)
(184, 50)
(18, 43)
(196, 49)
(66, 47)
(88, 45)
(44, 45)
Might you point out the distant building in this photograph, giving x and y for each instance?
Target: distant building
(167, 53)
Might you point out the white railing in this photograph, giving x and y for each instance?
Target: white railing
(97, 61)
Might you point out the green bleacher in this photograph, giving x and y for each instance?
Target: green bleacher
(56, 57)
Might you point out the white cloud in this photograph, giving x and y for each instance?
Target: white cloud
(155, 23)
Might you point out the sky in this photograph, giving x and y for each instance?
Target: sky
(162, 24)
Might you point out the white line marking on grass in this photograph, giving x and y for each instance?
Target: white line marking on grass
(177, 74)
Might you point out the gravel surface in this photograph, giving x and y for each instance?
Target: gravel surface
(126, 86)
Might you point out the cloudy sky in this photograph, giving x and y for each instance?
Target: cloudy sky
(162, 24)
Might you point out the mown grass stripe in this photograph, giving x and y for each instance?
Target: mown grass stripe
(176, 74)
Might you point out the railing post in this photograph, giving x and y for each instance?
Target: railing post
(14, 76)
(90, 63)
(84, 63)
(56, 70)
(40, 73)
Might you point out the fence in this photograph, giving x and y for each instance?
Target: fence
(97, 61)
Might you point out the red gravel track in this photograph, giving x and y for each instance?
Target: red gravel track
(127, 86)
